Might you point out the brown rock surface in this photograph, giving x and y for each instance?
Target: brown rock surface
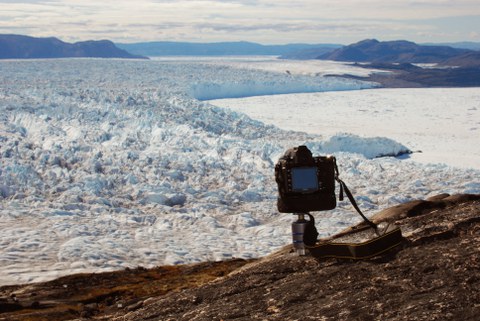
(435, 275)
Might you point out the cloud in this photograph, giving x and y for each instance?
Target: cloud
(28, 1)
(474, 36)
(269, 21)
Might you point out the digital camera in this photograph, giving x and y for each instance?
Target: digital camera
(305, 183)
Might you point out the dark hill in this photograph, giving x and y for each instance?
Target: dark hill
(469, 59)
(400, 51)
(25, 47)
(404, 75)
(463, 45)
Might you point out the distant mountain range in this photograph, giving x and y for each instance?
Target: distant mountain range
(25, 47)
(167, 48)
(370, 50)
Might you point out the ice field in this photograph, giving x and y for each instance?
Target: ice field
(108, 164)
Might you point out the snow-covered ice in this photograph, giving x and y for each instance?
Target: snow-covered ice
(442, 123)
(107, 164)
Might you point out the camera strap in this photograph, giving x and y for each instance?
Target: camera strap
(357, 251)
(388, 239)
(343, 187)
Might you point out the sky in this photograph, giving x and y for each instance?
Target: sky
(262, 21)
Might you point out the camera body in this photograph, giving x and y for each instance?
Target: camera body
(305, 183)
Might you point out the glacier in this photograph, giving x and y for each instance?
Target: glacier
(109, 164)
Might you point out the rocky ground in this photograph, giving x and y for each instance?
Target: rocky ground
(433, 275)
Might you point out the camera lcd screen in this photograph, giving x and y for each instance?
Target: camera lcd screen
(304, 179)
